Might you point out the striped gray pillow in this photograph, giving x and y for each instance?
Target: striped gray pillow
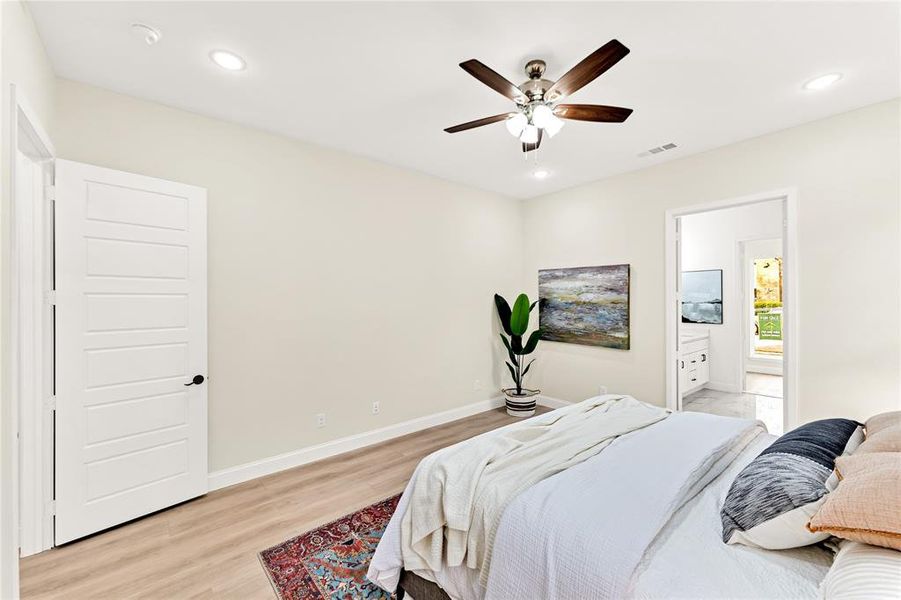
(773, 498)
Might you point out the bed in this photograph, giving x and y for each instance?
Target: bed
(638, 519)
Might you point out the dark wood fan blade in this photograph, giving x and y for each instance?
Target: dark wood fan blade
(588, 70)
(530, 147)
(478, 123)
(492, 79)
(592, 112)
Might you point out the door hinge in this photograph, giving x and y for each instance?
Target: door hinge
(50, 403)
(50, 297)
(50, 193)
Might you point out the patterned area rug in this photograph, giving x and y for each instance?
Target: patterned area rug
(330, 562)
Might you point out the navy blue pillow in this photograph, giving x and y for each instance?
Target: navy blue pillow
(773, 498)
(820, 441)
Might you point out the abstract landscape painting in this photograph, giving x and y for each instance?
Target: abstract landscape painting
(702, 297)
(585, 305)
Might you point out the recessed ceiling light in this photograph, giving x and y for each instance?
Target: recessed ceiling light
(822, 82)
(540, 174)
(228, 60)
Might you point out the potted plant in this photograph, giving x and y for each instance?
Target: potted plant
(519, 400)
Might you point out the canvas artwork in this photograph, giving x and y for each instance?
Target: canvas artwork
(585, 305)
(702, 297)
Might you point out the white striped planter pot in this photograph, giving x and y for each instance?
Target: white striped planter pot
(522, 405)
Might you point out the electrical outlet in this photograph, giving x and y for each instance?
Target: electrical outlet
(320, 420)
(376, 407)
(602, 390)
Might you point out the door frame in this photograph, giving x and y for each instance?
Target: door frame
(28, 363)
(790, 313)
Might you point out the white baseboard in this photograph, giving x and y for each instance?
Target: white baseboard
(551, 402)
(273, 464)
(765, 369)
(295, 458)
(732, 388)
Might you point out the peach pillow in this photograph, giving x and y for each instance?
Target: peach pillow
(866, 505)
(881, 437)
(883, 421)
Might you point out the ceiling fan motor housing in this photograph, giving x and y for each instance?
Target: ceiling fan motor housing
(534, 89)
(536, 86)
(535, 68)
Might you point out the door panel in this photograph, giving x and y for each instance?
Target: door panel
(106, 422)
(124, 258)
(117, 204)
(134, 365)
(131, 332)
(120, 312)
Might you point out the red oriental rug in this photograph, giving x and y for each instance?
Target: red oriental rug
(330, 562)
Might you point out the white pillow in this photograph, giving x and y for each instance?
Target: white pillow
(863, 572)
(855, 441)
(773, 498)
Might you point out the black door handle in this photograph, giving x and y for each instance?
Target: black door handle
(198, 379)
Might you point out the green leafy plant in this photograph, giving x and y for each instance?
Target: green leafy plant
(767, 304)
(515, 322)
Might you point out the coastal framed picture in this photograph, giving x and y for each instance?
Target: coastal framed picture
(702, 297)
(585, 305)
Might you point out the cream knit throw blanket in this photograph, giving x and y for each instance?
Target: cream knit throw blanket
(458, 494)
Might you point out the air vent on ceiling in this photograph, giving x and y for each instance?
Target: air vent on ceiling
(657, 150)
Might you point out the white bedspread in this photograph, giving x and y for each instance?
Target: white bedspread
(582, 532)
(457, 496)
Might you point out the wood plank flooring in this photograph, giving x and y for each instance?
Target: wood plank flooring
(207, 548)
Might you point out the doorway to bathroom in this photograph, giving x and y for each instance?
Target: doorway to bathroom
(730, 272)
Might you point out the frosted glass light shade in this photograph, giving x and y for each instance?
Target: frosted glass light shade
(529, 135)
(541, 116)
(516, 124)
(553, 126)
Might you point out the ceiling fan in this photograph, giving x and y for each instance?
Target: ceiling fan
(537, 111)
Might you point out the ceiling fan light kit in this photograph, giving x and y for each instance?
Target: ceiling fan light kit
(542, 115)
(529, 135)
(516, 122)
(537, 111)
(553, 125)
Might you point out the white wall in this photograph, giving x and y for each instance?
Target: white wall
(24, 63)
(711, 241)
(846, 170)
(334, 280)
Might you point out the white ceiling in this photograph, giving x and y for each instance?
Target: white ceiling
(381, 79)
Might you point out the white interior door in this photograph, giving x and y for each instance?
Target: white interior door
(131, 433)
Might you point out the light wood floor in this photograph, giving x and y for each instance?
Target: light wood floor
(207, 548)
